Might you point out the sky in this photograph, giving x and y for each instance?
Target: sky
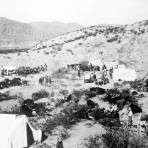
(85, 12)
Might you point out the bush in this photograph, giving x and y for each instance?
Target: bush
(120, 98)
(93, 142)
(57, 120)
(40, 94)
(66, 118)
(43, 145)
(110, 122)
(116, 138)
(41, 109)
(59, 102)
(121, 138)
(112, 39)
(64, 92)
(16, 109)
(27, 106)
(63, 132)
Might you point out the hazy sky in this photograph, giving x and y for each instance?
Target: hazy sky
(86, 12)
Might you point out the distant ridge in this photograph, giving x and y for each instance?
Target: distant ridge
(14, 34)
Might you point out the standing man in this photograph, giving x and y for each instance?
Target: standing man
(59, 143)
(130, 114)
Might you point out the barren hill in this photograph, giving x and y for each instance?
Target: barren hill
(125, 43)
(128, 44)
(15, 34)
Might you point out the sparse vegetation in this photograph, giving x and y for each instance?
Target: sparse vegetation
(122, 138)
(94, 142)
(40, 94)
(115, 138)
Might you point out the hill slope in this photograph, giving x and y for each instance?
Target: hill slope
(127, 44)
(15, 34)
(55, 28)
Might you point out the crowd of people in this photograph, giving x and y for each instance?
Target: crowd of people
(29, 70)
(106, 73)
(45, 80)
(23, 70)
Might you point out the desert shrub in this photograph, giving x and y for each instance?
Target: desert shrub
(64, 133)
(59, 102)
(18, 54)
(121, 138)
(46, 52)
(80, 44)
(16, 109)
(40, 94)
(66, 118)
(112, 39)
(41, 109)
(43, 145)
(44, 46)
(110, 122)
(27, 106)
(57, 120)
(112, 96)
(78, 93)
(120, 98)
(70, 51)
(93, 142)
(64, 92)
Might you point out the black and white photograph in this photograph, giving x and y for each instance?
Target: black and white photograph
(73, 73)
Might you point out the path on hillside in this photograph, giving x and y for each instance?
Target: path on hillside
(78, 134)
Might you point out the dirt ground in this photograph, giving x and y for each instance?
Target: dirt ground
(67, 81)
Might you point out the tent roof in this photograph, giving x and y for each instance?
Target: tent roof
(9, 67)
(8, 122)
(13, 130)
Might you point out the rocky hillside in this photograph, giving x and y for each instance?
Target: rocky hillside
(15, 34)
(127, 44)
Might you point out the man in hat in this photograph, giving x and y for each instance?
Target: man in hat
(59, 143)
(130, 116)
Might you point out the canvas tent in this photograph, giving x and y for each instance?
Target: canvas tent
(17, 132)
(8, 69)
(124, 73)
(111, 64)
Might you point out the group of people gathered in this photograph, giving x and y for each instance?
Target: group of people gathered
(31, 70)
(45, 80)
(106, 73)
(24, 70)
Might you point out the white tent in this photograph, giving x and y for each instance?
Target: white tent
(111, 64)
(8, 68)
(17, 132)
(124, 74)
(97, 62)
